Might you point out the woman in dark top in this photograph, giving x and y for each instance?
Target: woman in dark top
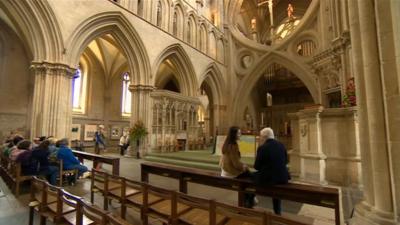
(28, 165)
(41, 155)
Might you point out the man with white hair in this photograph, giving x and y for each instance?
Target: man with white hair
(271, 163)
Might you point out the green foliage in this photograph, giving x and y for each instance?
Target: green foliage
(138, 131)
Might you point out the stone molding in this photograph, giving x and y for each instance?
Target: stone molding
(141, 87)
(52, 69)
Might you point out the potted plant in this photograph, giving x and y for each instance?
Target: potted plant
(136, 134)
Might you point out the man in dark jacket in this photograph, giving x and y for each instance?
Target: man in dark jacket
(271, 163)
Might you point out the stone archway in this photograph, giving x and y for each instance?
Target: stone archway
(115, 24)
(36, 25)
(184, 74)
(213, 84)
(249, 82)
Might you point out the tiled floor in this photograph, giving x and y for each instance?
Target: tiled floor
(15, 211)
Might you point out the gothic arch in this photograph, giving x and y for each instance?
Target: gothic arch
(203, 40)
(36, 24)
(212, 44)
(192, 29)
(165, 13)
(121, 29)
(178, 9)
(213, 77)
(186, 75)
(249, 82)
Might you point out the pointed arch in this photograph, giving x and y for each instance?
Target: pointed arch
(214, 78)
(203, 40)
(37, 26)
(161, 13)
(212, 47)
(186, 75)
(121, 29)
(248, 83)
(221, 50)
(180, 15)
(192, 29)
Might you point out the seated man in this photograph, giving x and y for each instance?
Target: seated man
(69, 160)
(271, 163)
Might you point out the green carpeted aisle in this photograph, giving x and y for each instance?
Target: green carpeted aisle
(196, 159)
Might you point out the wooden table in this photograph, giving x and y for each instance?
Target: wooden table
(303, 193)
(113, 161)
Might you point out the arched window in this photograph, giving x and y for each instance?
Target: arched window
(140, 8)
(126, 95)
(78, 91)
(175, 24)
(159, 14)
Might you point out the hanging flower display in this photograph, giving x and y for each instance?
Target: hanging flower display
(349, 99)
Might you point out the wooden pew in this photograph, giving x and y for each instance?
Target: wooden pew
(61, 207)
(113, 161)
(11, 172)
(310, 194)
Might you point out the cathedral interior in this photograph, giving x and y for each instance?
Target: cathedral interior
(323, 74)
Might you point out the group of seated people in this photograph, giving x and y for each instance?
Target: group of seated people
(40, 156)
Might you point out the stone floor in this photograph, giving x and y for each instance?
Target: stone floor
(15, 211)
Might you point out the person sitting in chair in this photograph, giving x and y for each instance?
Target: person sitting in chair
(69, 160)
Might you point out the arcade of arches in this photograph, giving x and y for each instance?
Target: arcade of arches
(324, 74)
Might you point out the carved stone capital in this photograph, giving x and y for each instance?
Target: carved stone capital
(48, 68)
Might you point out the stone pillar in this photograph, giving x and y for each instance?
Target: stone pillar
(357, 70)
(163, 125)
(141, 106)
(312, 158)
(294, 153)
(378, 207)
(52, 104)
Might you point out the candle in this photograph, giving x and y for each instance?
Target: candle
(262, 118)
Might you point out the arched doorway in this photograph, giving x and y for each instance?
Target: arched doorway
(16, 84)
(175, 104)
(271, 94)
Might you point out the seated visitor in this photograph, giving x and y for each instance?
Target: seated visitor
(230, 163)
(53, 149)
(12, 145)
(69, 160)
(41, 155)
(21, 147)
(271, 163)
(28, 164)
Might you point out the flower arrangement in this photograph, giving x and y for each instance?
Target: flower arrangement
(138, 131)
(349, 99)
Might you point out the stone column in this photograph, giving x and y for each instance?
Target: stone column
(141, 106)
(294, 153)
(378, 206)
(52, 103)
(357, 70)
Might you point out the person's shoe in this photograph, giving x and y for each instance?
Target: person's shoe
(86, 174)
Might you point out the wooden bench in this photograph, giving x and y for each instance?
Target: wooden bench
(113, 161)
(11, 173)
(55, 204)
(303, 193)
(171, 207)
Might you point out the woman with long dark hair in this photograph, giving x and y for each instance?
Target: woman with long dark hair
(230, 163)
